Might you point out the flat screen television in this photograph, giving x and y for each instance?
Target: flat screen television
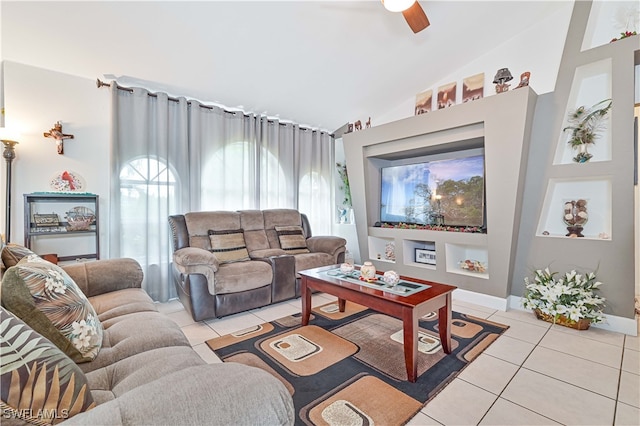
(448, 190)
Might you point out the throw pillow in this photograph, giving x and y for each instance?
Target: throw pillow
(229, 246)
(12, 253)
(292, 239)
(47, 299)
(39, 384)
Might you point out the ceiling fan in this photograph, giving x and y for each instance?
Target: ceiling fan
(412, 12)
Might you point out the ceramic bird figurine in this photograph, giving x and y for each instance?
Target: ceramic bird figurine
(67, 177)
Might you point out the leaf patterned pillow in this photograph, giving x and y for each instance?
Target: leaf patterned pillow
(39, 384)
(47, 299)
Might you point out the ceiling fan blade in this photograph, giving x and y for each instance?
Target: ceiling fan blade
(416, 18)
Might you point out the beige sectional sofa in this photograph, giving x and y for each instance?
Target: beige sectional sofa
(145, 371)
(271, 247)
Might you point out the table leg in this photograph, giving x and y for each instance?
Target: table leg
(306, 301)
(444, 324)
(342, 303)
(410, 337)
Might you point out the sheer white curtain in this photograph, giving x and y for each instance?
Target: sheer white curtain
(150, 181)
(315, 168)
(176, 156)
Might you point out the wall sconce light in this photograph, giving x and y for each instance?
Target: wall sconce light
(500, 80)
(8, 154)
(56, 133)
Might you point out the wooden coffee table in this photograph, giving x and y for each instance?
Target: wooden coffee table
(406, 308)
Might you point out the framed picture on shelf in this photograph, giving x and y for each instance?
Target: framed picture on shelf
(473, 88)
(447, 95)
(423, 102)
(425, 256)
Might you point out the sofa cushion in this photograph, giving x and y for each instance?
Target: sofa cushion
(122, 302)
(292, 239)
(45, 297)
(32, 368)
(116, 379)
(199, 223)
(312, 260)
(135, 333)
(237, 277)
(12, 253)
(228, 245)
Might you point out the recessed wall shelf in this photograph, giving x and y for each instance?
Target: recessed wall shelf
(596, 191)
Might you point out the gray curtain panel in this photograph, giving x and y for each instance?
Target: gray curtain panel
(172, 156)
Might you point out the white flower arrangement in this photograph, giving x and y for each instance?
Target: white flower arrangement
(571, 295)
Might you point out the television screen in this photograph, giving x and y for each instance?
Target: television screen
(441, 192)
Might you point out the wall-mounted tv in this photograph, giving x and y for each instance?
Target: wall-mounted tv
(446, 190)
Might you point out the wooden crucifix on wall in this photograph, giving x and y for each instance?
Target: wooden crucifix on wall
(56, 133)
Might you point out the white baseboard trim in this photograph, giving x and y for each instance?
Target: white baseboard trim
(612, 323)
(492, 302)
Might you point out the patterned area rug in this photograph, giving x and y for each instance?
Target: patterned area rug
(347, 368)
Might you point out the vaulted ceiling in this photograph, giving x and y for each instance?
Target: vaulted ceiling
(318, 63)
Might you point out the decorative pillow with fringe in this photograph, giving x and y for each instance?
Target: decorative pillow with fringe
(292, 239)
(229, 246)
(45, 297)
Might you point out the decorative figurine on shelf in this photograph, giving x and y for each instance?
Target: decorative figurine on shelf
(358, 125)
(524, 79)
(584, 124)
(575, 217)
(349, 128)
(56, 133)
(368, 123)
(390, 251)
(500, 80)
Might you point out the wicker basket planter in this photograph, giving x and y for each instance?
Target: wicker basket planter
(583, 324)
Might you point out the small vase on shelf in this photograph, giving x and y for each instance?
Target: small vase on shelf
(575, 217)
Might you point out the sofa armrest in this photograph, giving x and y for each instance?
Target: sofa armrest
(104, 276)
(326, 244)
(193, 260)
(215, 394)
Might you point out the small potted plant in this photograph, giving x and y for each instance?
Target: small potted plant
(584, 123)
(568, 299)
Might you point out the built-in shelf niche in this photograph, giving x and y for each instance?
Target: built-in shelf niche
(457, 253)
(607, 19)
(409, 252)
(597, 192)
(378, 247)
(591, 85)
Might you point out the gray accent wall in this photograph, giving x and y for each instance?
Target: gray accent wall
(612, 258)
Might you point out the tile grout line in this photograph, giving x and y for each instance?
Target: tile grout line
(520, 367)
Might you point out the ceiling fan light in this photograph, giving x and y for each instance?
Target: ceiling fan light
(397, 5)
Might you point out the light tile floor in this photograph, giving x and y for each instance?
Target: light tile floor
(534, 374)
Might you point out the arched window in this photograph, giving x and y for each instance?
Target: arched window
(231, 182)
(148, 194)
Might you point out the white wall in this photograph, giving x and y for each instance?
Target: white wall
(35, 99)
(525, 52)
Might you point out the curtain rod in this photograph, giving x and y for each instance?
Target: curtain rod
(100, 83)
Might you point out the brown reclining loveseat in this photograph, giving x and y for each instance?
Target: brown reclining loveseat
(226, 262)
